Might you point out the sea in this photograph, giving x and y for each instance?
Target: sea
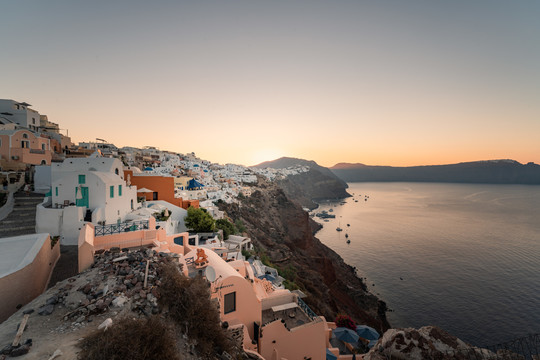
(464, 257)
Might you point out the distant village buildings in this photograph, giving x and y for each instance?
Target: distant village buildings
(28, 138)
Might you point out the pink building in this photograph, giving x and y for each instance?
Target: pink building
(275, 323)
(24, 146)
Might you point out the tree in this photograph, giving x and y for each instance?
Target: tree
(199, 220)
(227, 227)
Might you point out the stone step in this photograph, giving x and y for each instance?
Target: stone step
(8, 221)
(16, 233)
(26, 203)
(25, 208)
(33, 198)
(18, 228)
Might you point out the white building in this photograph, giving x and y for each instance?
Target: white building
(85, 189)
(20, 113)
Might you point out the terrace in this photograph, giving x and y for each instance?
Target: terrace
(288, 308)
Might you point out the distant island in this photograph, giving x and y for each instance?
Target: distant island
(479, 172)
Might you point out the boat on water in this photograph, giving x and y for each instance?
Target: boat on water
(339, 229)
(348, 224)
(325, 215)
(348, 241)
(346, 235)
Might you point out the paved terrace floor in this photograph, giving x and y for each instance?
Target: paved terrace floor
(293, 317)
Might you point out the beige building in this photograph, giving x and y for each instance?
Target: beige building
(26, 265)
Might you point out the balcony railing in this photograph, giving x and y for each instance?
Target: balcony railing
(306, 309)
(36, 151)
(102, 230)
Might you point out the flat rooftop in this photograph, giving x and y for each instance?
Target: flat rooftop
(293, 315)
(18, 251)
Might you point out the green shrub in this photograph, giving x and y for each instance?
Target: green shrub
(199, 220)
(227, 227)
(240, 226)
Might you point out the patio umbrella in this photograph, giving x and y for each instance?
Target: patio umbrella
(329, 355)
(346, 335)
(367, 332)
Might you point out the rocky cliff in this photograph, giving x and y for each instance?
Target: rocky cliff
(306, 188)
(283, 233)
(430, 342)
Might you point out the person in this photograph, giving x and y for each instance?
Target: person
(27, 189)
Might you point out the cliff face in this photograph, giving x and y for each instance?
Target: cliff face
(313, 185)
(281, 229)
(305, 188)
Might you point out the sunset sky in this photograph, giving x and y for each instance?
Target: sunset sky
(402, 82)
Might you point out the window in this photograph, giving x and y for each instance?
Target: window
(112, 191)
(230, 303)
(119, 190)
(33, 120)
(179, 240)
(42, 146)
(82, 179)
(25, 144)
(25, 136)
(56, 191)
(116, 171)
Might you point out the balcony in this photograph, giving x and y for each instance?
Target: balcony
(36, 151)
(102, 230)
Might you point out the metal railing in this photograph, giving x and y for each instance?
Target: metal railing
(101, 230)
(306, 309)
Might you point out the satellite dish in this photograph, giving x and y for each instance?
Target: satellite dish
(210, 274)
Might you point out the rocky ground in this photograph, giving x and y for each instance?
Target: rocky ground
(71, 309)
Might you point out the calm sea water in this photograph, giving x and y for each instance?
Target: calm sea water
(459, 256)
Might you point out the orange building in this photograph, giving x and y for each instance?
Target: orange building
(158, 188)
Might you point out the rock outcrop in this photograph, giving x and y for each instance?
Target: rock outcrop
(429, 342)
(317, 184)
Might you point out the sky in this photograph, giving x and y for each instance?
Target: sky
(386, 82)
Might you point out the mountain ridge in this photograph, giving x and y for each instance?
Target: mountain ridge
(503, 171)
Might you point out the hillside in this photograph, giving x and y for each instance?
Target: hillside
(283, 232)
(317, 184)
(487, 172)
